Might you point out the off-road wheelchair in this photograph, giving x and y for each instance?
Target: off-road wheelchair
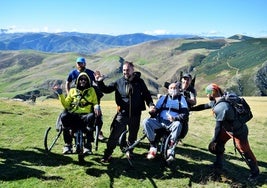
(79, 136)
(162, 139)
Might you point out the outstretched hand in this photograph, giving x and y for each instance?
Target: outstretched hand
(98, 76)
(57, 89)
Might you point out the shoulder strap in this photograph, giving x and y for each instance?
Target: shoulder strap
(83, 97)
(165, 101)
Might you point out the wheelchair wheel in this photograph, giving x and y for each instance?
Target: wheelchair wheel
(79, 143)
(96, 137)
(166, 146)
(50, 138)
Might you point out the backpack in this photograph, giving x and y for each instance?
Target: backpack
(240, 106)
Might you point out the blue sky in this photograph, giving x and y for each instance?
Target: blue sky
(115, 17)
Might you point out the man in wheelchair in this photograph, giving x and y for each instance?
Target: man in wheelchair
(81, 108)
(171, 113)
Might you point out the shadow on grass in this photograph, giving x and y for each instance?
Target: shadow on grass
(191, 168)
(16, 164)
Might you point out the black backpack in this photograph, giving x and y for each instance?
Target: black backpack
(240, 105)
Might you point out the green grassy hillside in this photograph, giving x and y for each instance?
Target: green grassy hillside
(238, 65)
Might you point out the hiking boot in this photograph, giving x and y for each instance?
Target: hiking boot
(253, 176)
(152, 153)
(106, 159)
(217, 166)
(67, 149)
(101, 136)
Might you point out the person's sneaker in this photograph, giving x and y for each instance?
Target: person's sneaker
(67, 149)
(101, 136)
(106, 159)
(87, 151)
(170, 159)
(152, 153)
(170, 155)
(253, 176)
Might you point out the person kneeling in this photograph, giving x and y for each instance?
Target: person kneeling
(171, 112)
(80, 110)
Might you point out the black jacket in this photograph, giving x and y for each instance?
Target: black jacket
(130, 95)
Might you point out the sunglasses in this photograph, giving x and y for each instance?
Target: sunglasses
(80, 63)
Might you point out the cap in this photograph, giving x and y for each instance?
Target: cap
(212, 87)
(80, 60)
(187, 75)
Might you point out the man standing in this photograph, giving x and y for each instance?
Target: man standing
(188, 90)
(131, 94)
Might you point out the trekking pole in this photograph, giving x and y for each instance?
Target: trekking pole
(242, 155)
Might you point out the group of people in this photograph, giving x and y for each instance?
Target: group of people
(171, 112)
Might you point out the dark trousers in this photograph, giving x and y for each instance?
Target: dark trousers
(74, 121)
(118, 126)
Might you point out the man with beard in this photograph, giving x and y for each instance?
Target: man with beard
(131, 94)
(171, 113)
(228, 126)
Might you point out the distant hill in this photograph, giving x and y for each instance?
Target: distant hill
(238, 65)
(84, 43)
(240, 37)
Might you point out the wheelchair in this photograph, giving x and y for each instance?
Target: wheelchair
(163, 137)
(78, 135)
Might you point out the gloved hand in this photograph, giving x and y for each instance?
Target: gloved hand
(57, 89)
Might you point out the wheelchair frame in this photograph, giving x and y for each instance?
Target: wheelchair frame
(78, 136)
(163, 146)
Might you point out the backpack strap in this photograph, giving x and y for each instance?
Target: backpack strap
(82, 96)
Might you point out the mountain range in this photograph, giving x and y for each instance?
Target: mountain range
(33, 62)
(74, 42)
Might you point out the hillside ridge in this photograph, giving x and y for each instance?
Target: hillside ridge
(211, 60)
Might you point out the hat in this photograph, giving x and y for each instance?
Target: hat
(212, 87)
(80, 60)
(187, 75)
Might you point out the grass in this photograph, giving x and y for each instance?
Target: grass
(24, 163)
